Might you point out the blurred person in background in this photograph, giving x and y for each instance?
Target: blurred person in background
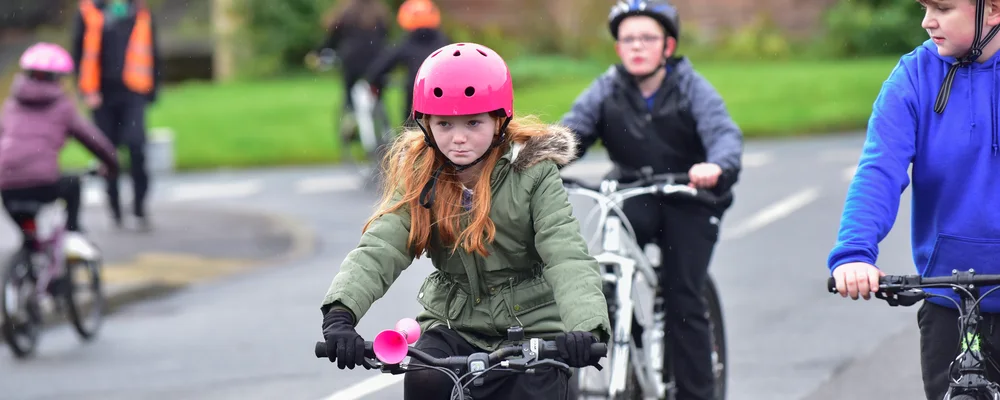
(35, 121)
(422, 19)
(357, 31)
(114, 45)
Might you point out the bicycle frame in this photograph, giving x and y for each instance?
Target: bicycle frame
(972, 380)
(627, 262)
(45, 234)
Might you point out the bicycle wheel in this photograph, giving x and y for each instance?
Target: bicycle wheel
(383, 137)
(22, 315)
(717, 327)
(86, 306)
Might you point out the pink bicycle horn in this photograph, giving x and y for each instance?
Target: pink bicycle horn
(391, 345)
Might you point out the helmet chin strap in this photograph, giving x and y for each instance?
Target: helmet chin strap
(978, 44)
(427, 195)
(644, 77)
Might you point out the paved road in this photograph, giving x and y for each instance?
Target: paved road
(251, 336)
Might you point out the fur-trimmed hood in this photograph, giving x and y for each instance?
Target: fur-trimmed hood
(559, 145)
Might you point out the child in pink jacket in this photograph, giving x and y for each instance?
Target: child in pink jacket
(35, 121)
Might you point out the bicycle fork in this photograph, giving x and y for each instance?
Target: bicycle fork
(623, 347)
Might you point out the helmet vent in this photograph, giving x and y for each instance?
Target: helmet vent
(469, 91)
(481, 52)
(438, 92)
(457, 53)
(436, 53)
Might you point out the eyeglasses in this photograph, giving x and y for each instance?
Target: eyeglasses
(644, 39)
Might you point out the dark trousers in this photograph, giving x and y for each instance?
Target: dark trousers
(940, 345)
(122, 118)
(429, 384)
(686, 233)
(67, 188)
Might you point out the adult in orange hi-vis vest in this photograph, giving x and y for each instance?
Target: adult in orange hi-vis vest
(118, 74)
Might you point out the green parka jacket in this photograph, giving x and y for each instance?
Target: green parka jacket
(539, 274)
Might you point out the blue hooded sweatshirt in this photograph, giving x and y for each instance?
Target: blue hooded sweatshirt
(955, 159)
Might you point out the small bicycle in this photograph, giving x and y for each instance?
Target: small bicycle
(46, 270)
(638, 347)
(970, 381)
(525, 358)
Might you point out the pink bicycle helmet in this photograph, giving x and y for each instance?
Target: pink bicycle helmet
(463, 79)
(47, 57)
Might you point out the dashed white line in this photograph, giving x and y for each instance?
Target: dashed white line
(751, 160)
(840, 155)
(848, 173)
(366, 387)
(93, 196)
(328, 184)
(202, 191)
(772, 213)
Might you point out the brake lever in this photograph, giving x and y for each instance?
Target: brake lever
(531, 365)
(905, 298)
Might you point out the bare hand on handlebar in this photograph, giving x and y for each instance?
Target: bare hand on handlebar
(857, 279)
(704, 175)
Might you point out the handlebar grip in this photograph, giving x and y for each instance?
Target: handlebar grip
(320, 349)
(599, 350)
(831, 285)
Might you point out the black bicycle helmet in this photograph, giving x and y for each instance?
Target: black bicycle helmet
(661, 10)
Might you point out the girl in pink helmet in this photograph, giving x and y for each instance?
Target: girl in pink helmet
(35, 121)
(480, 193)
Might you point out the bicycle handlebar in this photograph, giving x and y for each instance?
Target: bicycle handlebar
(896, 283)
(904, 289)
(535, 352)
(667, 183)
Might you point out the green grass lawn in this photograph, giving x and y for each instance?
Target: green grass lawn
(291, 120)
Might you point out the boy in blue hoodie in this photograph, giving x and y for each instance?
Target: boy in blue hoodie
(939, 111)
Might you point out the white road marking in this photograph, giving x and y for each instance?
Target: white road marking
(772, 213)
(328, 184)
(840, 155)
(366, 387)
(751, 160)
(203, 191)
(848, 173)
(93, 196)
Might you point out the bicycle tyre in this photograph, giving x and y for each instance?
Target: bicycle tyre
(18, 269)
(383, 138)
(84, 330)
(717, 327)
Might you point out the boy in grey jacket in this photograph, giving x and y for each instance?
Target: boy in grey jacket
(654, 111)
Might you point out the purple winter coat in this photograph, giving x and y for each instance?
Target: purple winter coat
(34, 123)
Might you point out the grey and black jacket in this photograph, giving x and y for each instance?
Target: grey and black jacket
(684, 123)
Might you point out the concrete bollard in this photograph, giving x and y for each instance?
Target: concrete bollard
(160, 151)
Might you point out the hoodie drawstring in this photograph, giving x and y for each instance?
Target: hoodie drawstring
(994, 104)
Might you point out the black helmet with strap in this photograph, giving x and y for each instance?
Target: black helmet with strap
(660, 10)
(978, 44)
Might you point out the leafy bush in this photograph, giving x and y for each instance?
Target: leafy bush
(873, 27)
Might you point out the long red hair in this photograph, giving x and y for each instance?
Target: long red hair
(409, 164)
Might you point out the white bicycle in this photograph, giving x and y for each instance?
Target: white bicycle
(635, 360)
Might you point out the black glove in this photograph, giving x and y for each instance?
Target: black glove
(574, 348)
(343, 344)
